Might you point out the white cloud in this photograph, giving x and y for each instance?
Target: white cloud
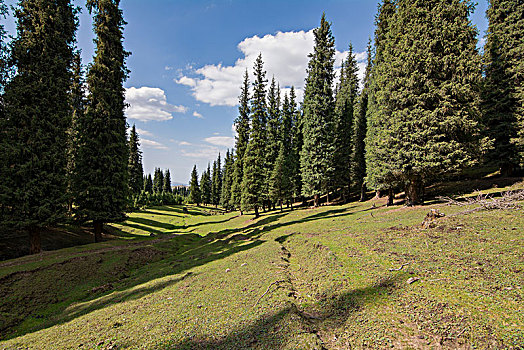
(198, 115)
(201, 152)
(147, 103)
(285, 56)
(224, 141)
(184, 143)
(142, 132)
(168, 68)
(152, 144)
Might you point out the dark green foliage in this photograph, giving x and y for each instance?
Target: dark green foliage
(280, 185)
(502, 93)
(227, 181)
(4, 69)
(148, 184)
(358, 170)
(425, 117)
(194, 188)
(134, 165)
(206, 185)
(296, 145)
(144, 199)
(254, 159)
(317, 155)
(242, 139)
(346, 97)
(272, 132)
(38, 115)
(216, 181)
(158, 181)
(4, 51)
(167, 182)
(102, 159)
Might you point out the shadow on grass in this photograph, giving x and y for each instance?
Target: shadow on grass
(275, 331)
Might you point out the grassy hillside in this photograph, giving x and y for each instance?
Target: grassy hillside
(328, 278)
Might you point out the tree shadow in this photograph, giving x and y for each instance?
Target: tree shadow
(273, 331)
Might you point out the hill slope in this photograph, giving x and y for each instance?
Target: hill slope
(327, 278)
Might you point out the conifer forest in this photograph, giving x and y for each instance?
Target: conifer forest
(378, 205)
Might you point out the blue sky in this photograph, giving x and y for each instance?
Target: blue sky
(188, 57)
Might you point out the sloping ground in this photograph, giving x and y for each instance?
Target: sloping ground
(335, 277)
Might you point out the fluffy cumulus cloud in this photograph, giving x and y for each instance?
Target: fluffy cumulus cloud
(224, 141)
(152, 144)
(148, 103)
(285, 56)
(197, 115)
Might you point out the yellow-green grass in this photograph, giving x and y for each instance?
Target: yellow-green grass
(302, 279)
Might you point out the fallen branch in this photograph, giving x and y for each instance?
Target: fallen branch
(508, 200)
(267, 290)
(400, 268)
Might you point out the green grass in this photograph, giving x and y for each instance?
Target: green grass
(195, 283)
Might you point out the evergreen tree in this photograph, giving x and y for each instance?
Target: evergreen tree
(4, 70)
(346, 97)
(134, 165)
(38, 115)
(148, 184)
(254, 159)
(4, 52)
(102, 157)
(194, 188)
(427, 124)
(205, 185)
(296, 145)
(158, 181)
(225, 199)
(273, 137)
(242, 139)
(216, 182)
(317, 155)
(167, 182)
(359, 136)
(502, 93)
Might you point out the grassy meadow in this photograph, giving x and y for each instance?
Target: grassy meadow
(360, 275)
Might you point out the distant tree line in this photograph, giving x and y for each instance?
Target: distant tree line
(430, 106)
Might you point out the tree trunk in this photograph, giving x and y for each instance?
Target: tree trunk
(257, 215)
(363, 192)
(327, 198)
(378, 194)
(35, 241)
(391, 197)
(290, 205)
(281, 209)
(507, 170)
(98, 224)
(241, 212)
(316, 200)
(413, 191)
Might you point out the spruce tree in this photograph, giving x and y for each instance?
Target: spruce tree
(4, 71)
(273, 137)
(296, 145)
(358, 170)
(254, 159)
(167, 182)
(148, 184)
(134, 165)
(37, 117)
(346, 97)
(194, 188)
(216, 181)
(242, 139)
(102, 157)
(427, 81)
(158, 181)
(502, 93)
(205, 185)
(317, 155)
(225, 199)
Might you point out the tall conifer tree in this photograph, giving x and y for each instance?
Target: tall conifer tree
(167, 182)
(503, 90)
(242, 139)
(194, 188)
(4, 69)
(273, 137)
(205, 185)
(148, 184)
(346, 97)
(158, 181)
(134, 166)
(254, 159)
(216, 181)
(102, 158)
(38, 116)
(428, 91)
(296, 145)
(358, 170)
(317, 155)
(225, 199)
